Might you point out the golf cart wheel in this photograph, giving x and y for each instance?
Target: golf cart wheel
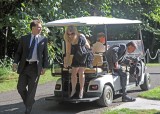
(147, 83)
(107, 97)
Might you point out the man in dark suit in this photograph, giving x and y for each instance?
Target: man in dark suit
(116, 57)
(31, 59)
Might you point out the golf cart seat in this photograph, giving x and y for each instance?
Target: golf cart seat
(97, 64)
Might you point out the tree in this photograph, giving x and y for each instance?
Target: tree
(23, 11)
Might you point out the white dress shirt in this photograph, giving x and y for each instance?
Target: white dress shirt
(98, 47)
(34, 55)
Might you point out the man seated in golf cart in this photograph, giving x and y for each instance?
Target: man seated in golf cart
(116, 57)
(99, 46)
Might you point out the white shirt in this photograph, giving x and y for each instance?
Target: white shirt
(98, 47)
(34, 55)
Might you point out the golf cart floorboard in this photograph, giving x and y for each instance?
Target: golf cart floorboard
(73, 100)
(131, 85)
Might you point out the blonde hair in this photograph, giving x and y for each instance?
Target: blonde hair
(70, 28)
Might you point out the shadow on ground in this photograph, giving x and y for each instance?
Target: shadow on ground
(50, 107)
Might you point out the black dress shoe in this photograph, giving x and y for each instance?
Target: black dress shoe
(128, 99)
(28, 110)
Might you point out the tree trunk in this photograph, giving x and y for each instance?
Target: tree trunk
(6, 40)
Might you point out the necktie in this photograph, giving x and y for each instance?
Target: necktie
(31, 48)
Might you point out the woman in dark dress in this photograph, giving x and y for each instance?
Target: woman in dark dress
(73, 40)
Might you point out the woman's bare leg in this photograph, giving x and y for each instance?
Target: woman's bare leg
(81, 80)
(74, 80)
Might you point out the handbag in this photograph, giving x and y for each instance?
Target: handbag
(81, 54)
(90, 58)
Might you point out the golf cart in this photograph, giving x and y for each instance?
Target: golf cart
(100, 84)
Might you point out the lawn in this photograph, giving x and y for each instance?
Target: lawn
(153, 94)
(8, 80)
(153, 64)
(131, 111)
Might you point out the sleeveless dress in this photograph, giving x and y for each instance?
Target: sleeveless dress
(75, 62)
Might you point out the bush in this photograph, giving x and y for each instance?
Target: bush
(6, 63)
(5, 67)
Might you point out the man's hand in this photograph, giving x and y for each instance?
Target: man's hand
(43, 71)
(66, 65)
(14, 67)
(117, 66)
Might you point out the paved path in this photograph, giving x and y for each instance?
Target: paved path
(153, 70)
(141, 103)
(13, 96)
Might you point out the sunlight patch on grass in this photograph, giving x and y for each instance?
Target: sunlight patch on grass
(47, 77)
(8, 85)
(10, 80)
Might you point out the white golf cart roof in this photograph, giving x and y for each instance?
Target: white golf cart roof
(91, 20)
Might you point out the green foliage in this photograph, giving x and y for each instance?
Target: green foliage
(5, 68)
(20, 20)
(49, 10)
(3, 72)
(6, 63)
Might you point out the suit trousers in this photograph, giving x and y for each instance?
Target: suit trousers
(123, 79)
(27, 83)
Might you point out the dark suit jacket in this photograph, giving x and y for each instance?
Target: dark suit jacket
(23, 50)
(115, 54)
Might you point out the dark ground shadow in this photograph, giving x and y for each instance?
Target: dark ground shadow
(42, 106)
(50, 107)
(17, 108)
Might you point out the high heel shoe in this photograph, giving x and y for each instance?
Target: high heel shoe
(72, 93)
(81, 94)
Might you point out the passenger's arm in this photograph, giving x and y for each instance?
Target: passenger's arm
(87, 43)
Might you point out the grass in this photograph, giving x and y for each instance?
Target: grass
(8, 80)
(131, 111)
(47, 77)
(153, 64)
(153, 94)
(3, 73)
